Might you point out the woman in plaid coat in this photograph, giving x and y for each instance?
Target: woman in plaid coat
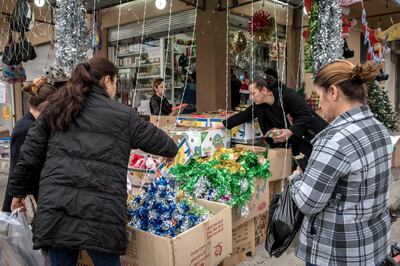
(343, 192)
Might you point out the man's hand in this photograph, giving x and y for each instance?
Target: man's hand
(17, 203)
(285, 135)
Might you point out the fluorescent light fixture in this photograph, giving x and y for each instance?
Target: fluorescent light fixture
(160, 4)
(40, 3)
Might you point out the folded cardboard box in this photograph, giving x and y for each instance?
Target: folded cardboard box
(207, 243)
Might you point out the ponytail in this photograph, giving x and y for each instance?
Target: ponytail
(65, 105)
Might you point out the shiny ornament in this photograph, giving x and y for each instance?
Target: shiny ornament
(239, 42)
(262, 26)
(227, 177)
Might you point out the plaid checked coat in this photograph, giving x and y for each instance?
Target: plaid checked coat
(344, 192)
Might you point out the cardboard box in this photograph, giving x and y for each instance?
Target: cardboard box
(261, 223)
(396, 151)
(259, 203)
(280, 160)
(280, 163)
(188, 121)
(163, 120)
(274, 188)
(243, 244)
(203, 142)
(206, 244)
(246, 133)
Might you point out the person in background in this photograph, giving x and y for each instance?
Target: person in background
(38, 90)
(189, 97)
(343, 191)
(244, 88)
(84, 138)
(235, 90)
(159, 105)
(271, 115)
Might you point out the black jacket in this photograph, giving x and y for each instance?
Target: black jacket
(82, 193)
(305, 126)
(235, 91)
(17, 139)
(155, 104)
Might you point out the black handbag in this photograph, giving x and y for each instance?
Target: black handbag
(11, 55)
(26, 49)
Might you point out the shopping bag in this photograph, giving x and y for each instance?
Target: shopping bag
(283, 223)
(19, 236)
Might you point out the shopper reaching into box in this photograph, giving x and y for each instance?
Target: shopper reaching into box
(344, 189)
(84, 139)
(273, 119)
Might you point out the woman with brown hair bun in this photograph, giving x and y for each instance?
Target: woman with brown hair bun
(84, 139)
(38, 90)
(343, 191)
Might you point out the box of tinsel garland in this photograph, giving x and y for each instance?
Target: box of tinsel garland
(236, 177)
(168, 227)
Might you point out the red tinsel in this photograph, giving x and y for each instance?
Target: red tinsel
(262, 25)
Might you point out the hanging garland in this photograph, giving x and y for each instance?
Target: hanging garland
(239, 42)
(71, 34)
(262, 26)
(312, 31)
(328, 45)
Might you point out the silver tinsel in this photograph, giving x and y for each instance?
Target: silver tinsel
(328, 42)
(71, 34)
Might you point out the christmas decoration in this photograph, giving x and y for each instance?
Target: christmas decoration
(185, 42)
(276, 51)
(375, 50)
(262, 26)
(311, 36)
(228, 176)
(378, 101)
(328, 46)
(162, 211)
(71, 34)
(313, 101)
(391, 34)
(239, 42)
(346, 25)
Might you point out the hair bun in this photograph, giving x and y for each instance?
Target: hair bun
(366, 72)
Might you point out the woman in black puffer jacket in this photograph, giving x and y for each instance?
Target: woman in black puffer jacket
(84, 139)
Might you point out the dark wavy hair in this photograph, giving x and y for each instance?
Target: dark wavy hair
(66, 104)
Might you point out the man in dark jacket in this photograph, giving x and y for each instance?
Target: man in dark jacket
(235, 90)
(82, 192)
(268, 110)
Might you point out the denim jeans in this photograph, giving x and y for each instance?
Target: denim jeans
(309, 264)
(69, 257)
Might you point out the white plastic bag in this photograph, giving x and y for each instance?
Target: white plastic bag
(19, 235)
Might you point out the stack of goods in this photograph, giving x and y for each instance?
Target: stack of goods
(227, 177)
(162, 211)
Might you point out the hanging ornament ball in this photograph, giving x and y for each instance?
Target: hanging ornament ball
(239, 42)
(262, 26)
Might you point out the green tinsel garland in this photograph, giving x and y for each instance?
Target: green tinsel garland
(312, 29)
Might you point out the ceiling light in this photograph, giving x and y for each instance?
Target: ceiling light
(40, 3)
(160, 4)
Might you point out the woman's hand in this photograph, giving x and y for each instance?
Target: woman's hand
(284, 136)
(17, 203)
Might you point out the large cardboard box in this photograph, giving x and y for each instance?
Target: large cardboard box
(280, 163)
(280, 160)
(206, 244)
(189, 121)
(246, 133)
(163, 120)
(84, 259)
(243, 244)
(396, 151)
(261, 223)
(275, 187)
(203, 142)
(259, 203)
